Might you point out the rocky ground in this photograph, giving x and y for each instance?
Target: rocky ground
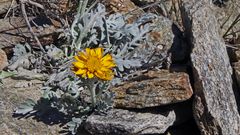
(197, 91)
(12, 94)
(10, 97)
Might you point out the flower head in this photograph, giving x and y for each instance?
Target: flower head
(92, 63)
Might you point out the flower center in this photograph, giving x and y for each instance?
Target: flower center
(93, 64)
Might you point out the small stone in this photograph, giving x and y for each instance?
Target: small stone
(124, 122)
(155, 88)
(3, 60)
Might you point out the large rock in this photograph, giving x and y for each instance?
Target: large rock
(154, 88)
(215, 107)
(124, 122)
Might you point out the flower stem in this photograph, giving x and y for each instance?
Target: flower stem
(92, 88)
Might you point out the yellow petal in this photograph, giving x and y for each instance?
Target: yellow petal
(92, 52)
(108, 75)
(77, 58)
(109, 64)
(82, 56)
(108, 78)
(104, 69)
(80, 71)
(99, 52)
(107, 58)
(78, 64)
(99, 74)
(88, 50)
(90, 75)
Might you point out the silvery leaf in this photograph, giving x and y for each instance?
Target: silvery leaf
(26, 107)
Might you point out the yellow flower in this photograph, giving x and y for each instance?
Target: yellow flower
(92, 63)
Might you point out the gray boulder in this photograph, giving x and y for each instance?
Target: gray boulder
(215, 108)
(124, 122)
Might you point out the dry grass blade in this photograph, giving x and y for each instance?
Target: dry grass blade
(237, 19)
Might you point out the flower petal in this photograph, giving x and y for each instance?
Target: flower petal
(82, 56)
(108, 78)
(109, 75)
(99, 52)
(78, 64)
(104, 69)
(99, 74)
(90, 75)
(109, 64)
(92, 52)
(106, 58)
(77, 58)
(88, 50)
(80, 71)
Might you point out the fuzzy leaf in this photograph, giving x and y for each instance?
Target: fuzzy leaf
(121, 64)
(54, 52)
(26, 107)
(74, 124)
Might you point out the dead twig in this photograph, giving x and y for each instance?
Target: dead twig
(23, 9)
(232, 33)
(231, 46)
(32, 3)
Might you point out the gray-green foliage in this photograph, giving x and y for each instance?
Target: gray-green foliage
(92, 28)
(116, 36)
